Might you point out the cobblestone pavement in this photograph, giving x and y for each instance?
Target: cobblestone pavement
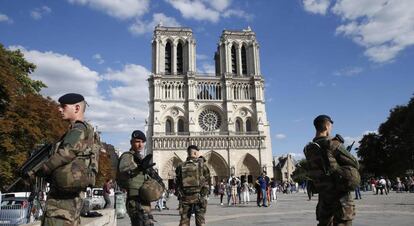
(294, 209)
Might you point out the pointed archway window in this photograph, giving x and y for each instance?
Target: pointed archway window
(168, 126)
(180, 58)
(233, 60)
(244, 60)
(168, 68)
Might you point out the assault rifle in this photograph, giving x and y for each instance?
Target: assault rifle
(146, 166)
(33, 164)
(349, 148)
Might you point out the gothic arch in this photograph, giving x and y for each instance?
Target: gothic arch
(248, 165)
(168, 56)
(250, 126)
(243, 54)
(233, 54)
(238, 125)
(180, 57)
(168, 171)
(173, 112)
(181, 125)
(169, 125)
(217, 165)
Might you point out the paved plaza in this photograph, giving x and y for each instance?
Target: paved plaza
(294, 209)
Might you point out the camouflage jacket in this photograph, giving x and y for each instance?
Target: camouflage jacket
(74, 143)
(129, 171)
(203, 180)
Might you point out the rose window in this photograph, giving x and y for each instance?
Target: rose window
(209, 120)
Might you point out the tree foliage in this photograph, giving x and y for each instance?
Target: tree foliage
(300, 175)
(391, 151)
(107, 170)
(27, 118)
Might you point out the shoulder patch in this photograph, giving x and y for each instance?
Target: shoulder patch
(80, 125)
(72, 137)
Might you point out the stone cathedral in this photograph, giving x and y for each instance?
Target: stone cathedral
(223, 113)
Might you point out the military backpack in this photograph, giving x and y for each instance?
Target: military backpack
(347, 178)
(192, 176)
(80, 172)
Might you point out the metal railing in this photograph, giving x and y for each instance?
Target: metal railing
(16, 214)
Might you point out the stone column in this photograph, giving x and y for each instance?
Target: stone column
(239, 60)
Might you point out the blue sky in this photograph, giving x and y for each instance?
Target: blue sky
(350, 59)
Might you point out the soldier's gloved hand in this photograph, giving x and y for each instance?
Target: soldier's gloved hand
(137, 159)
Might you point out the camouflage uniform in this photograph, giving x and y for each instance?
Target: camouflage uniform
(138, 210)
(193, 199)
(335, 204)
(63, 208)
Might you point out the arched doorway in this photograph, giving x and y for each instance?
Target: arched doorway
(168, 173)
(218, 167)
(248, 168)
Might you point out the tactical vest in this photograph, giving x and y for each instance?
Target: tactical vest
(81, 171)
(192, 176)
(126, 180)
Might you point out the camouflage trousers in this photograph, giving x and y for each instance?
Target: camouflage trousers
(138, 212)
(62, 212)
(199, 209)
(334, 211)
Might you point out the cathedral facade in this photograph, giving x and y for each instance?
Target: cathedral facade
(223, 113)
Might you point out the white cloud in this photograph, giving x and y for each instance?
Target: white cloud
(140, 27)
(280, 136)
(195, 10)
(237, 13)
(121, 9)
(316, 6)
(61, 73)
(383, 27)
(38, 13)
(123, 109)
(369, 131)
(98, 58)
(350, 140)
(321, 84)
(297, 156)
(207, 68)
(202, 57)
(5, 18)
(219, 5)
(209, 10)
(350, 71)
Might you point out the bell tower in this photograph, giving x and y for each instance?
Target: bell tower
(173, 51)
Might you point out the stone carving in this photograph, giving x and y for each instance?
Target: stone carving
(174, 112)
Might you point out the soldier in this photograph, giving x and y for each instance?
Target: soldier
(65, 169)
(133, 175)
(193, 178)
(334, 172)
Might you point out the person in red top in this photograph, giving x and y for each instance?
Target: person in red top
(106, 191)
(373, 182)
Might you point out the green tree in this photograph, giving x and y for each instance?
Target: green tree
(26, 118)
(391, 151)
(300, 174)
